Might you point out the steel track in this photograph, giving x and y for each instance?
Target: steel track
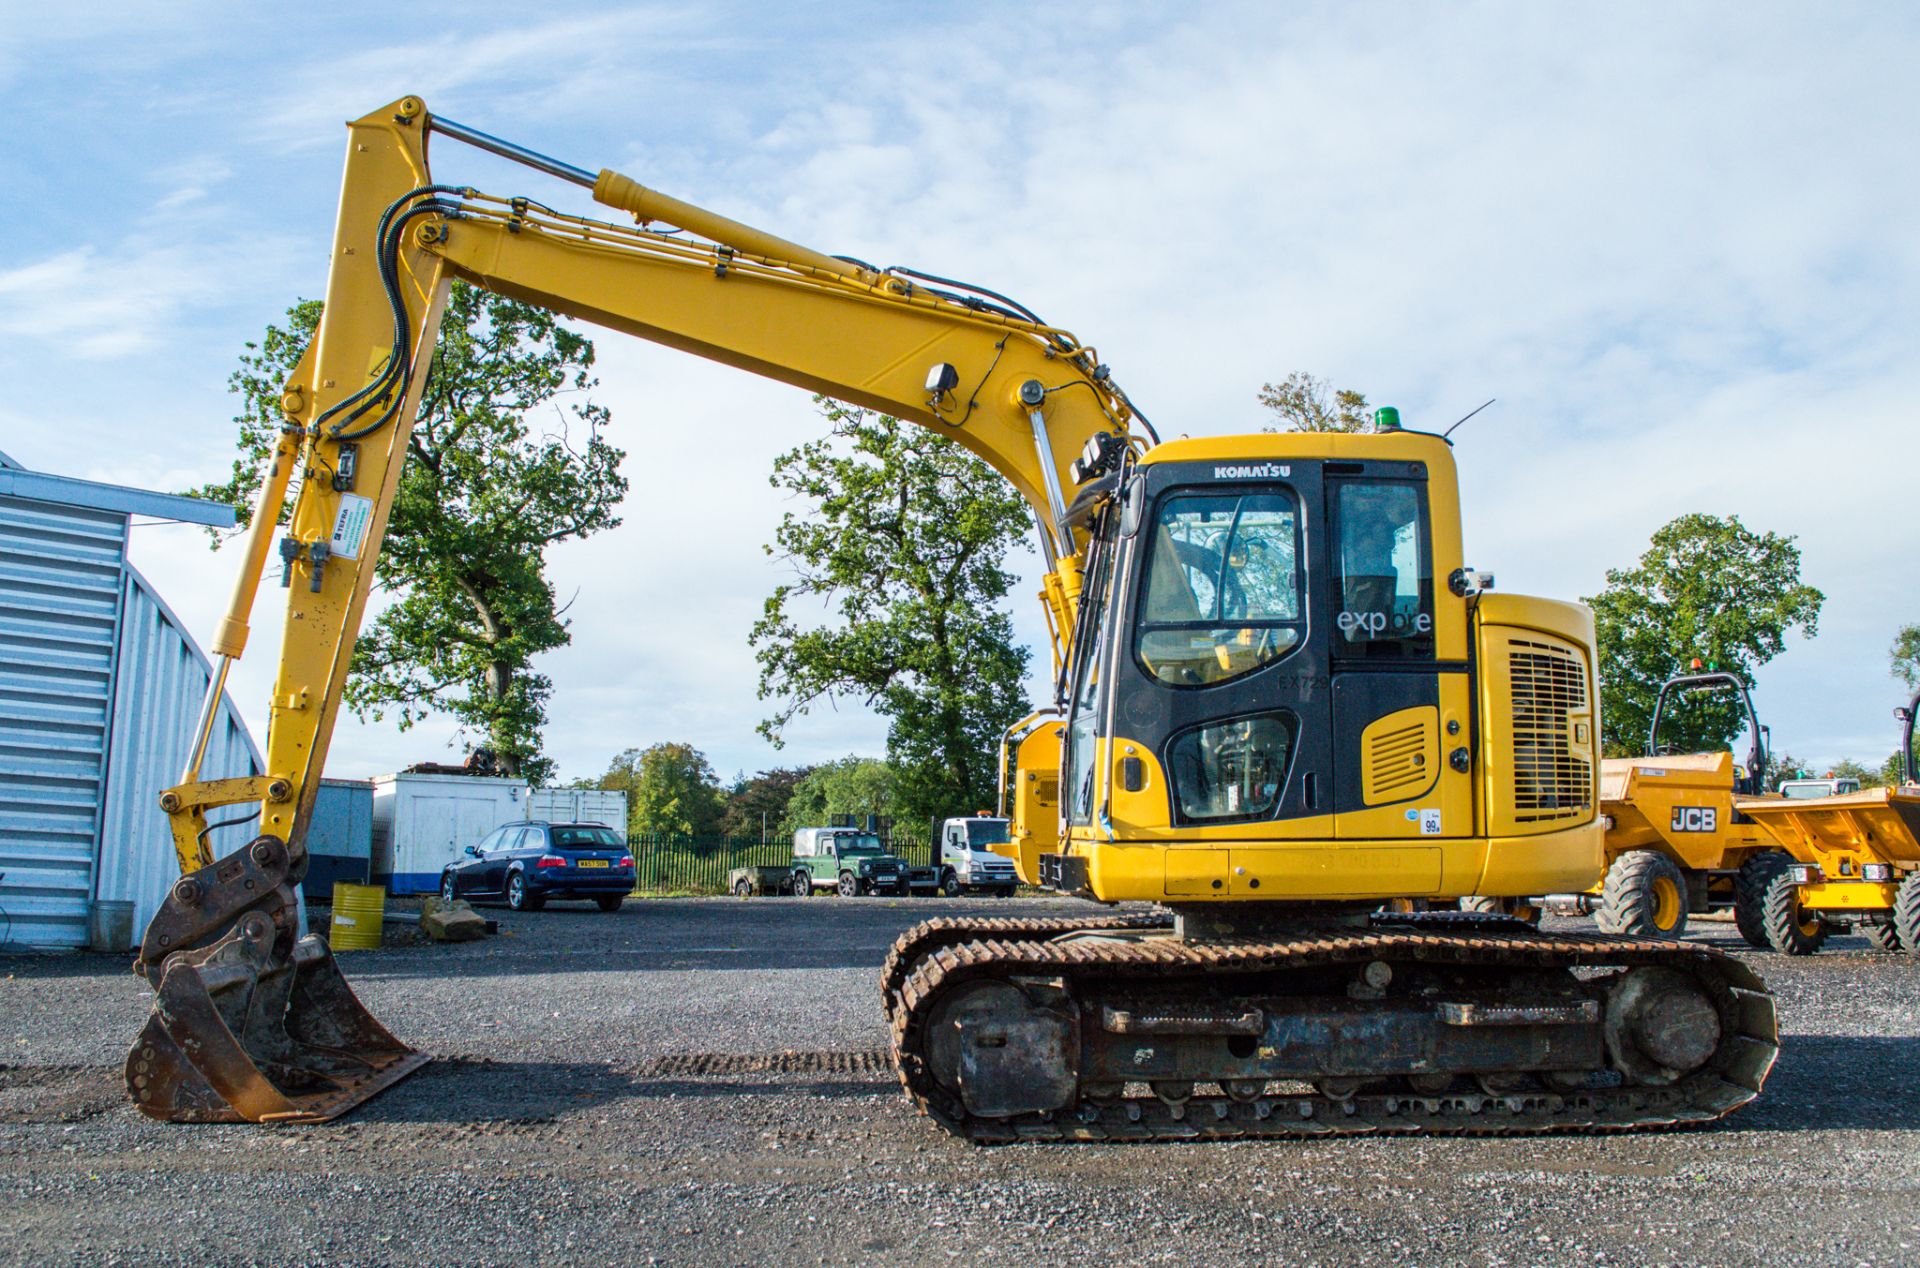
(913, 945)
(942, 956)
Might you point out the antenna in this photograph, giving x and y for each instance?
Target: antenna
(1449, 431)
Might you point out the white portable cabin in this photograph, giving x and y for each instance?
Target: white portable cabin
(580, 805)
(421, 823)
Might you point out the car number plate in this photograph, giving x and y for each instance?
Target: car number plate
(593, 862)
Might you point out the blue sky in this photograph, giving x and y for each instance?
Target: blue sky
(1677, 242)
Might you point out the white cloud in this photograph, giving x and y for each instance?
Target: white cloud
(98, 304)
(1675, 241)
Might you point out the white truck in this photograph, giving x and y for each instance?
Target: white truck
(1805, 788)
(967, 862)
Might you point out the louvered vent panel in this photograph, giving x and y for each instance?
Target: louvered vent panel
(1400, 758)
(1550, 780)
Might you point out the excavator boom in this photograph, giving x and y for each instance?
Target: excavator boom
(252, 1025)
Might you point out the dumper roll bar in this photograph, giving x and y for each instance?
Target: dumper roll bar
(1756, 780)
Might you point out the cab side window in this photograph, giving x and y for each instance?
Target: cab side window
(1382, 570)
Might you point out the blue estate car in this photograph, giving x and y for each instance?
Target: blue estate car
(529, 862)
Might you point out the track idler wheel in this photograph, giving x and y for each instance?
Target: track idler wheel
(1661, 1025)
(251, 1023)
(1007, 1048)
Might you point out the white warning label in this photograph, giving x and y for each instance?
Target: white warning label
(350, 525)
(1429, 823)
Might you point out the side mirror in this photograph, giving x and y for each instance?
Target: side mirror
(472, 851)
(1133, 506)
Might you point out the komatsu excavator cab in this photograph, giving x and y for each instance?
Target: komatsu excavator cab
(1287, 686)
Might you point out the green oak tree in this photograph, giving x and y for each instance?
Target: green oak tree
(1706, 588)
(902, 551)
(1300, 402)
(1869, 777)
(1905, 655)
(671, 790)
(851, 786)
(507, 458)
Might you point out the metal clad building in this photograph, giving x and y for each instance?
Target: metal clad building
(160, 680)
(99, 685)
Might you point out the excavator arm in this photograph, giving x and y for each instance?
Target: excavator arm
(1026, 397)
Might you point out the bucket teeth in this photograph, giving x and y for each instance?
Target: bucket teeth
(250, 1025)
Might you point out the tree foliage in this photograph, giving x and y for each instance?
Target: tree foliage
(903, 542)
(497, 473)
(1782, 766)
(759, 804)
(1869, 777)
(1706, 587)
(850, 786)
(671, 790)
(1905, 655)
(1300, 402)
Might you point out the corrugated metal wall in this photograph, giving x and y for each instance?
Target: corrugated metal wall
(61, 574)
(580, 805)
(162, 679)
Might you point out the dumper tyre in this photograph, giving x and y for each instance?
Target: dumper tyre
(1644, 894)
(610, 903)
(1906, 912)
(1750, 896)
(1883, 937)
(1788, 931)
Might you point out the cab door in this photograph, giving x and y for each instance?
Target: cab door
(1219, 655)
(1400, 714)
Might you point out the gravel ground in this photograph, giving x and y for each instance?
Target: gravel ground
(611, 1093)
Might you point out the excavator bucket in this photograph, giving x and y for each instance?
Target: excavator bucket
(251, 1022)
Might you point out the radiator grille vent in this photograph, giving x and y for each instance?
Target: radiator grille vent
(1550, 780)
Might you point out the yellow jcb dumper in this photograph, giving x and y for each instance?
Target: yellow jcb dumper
(1676, 842)
(1855, 862)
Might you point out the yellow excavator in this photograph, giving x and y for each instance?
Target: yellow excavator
(1282, 698)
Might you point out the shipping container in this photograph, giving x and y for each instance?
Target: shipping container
(340, 837)
(421, 823)
(580, 805)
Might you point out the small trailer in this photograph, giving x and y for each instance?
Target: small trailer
(747, 882)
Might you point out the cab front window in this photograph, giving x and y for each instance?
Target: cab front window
(1222, 590)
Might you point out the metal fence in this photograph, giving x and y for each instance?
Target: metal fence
(699, 865)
